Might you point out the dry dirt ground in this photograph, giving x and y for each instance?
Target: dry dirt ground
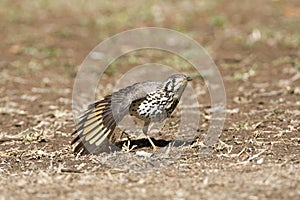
(256, 46)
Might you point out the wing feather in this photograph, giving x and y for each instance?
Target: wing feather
(96, 125)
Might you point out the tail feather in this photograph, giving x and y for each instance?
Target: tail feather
(95, 127)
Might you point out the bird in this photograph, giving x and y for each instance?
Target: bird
(149, 101)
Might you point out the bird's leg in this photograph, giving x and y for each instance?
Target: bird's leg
(145, 130)
(127, 135)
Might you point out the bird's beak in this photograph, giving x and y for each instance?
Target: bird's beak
(186, 80)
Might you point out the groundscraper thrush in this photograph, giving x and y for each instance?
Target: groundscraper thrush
(148, 101)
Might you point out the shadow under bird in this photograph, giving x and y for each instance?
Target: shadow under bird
(150, 101)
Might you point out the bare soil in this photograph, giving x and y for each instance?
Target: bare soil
(256, 46)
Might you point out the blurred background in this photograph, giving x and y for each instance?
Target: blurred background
(44, 42)
(255, 44)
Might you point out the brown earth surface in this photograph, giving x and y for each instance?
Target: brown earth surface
(256, 46)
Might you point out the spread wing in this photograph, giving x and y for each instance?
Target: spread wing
(96, 125)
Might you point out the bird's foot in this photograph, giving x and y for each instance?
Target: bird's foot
(152, 143)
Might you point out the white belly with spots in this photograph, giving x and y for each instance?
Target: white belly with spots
(153, 108)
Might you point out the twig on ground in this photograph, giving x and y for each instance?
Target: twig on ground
(71, 170)
(6, 139)
(253, 157)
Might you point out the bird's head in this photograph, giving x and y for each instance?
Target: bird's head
(176, 84)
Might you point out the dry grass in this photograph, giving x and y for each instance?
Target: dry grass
(256, 49)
